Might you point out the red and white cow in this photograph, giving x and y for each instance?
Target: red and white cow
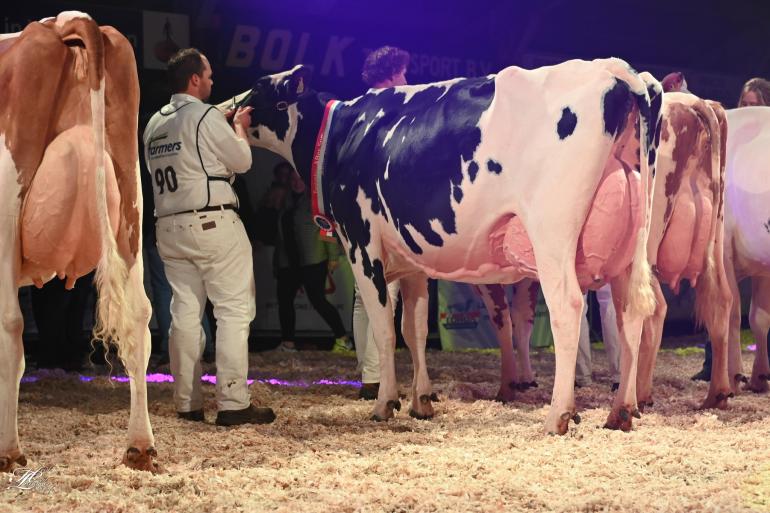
(747, 233)
(687, 232)
(513, 322)
(70, 199)
(483, 180)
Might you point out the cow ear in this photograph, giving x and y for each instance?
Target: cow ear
(297, 82)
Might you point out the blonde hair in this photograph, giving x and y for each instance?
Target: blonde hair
(758, 86)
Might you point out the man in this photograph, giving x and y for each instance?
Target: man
(191, 154)
(384, 67)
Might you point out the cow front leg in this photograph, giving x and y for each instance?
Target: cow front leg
(414, 326)
(624, 405)
(11, 348)
(565, 304)
(652, 333)
(759, 320)
(498, 309)
(141, 452)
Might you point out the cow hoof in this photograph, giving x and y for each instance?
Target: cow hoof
(506, 394)
(7, 463)
(740, 378)
(420, 416)
(387, 413)
(427, 399)
(142, 460)
(620, 418)
(716, 400)
(758, 384)
(526, 385)
(645, 403)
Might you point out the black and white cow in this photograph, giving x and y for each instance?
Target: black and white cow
(482, 180)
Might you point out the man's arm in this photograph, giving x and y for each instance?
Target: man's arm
(230, 148)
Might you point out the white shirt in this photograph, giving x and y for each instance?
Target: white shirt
(192, 153)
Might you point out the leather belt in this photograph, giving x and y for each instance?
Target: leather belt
(204, 209)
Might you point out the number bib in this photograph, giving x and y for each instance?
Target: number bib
(175, 152)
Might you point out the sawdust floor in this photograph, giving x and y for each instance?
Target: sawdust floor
(322, 454)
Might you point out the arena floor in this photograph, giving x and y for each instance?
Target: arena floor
(322, 454)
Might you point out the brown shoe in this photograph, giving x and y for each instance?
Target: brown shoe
(249, 415)
(195, 415)
(369, 391)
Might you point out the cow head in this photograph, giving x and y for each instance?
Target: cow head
(276, 116)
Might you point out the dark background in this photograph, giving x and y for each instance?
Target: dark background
(718, 45)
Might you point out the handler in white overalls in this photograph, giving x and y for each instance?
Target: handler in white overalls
(192, 153)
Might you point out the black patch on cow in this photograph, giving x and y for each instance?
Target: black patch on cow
(566, 124)
(473, 170)
(424, 171)
(616, 103)
(494, 166)
(457, 193)
(767, 226)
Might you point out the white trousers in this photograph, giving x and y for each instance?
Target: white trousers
(609, 334)
(366, 348)
(208, 255)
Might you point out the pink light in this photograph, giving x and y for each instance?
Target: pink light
(206, 378)
(752, 347)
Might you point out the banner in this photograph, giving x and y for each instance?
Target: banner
(463, 321)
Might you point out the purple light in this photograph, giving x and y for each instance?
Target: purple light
(752, 347)
(206, 378)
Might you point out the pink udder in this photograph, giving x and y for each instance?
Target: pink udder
(60, 225)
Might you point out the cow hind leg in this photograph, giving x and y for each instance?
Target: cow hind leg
(624, 405)
(652, 332)
(565, 302)
(11, 349)
(141, 452)
(497, 307)
(414, 326)
(759, 320)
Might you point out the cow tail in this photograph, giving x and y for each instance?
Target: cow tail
(713, 284)
(648, 95)
(113, 322)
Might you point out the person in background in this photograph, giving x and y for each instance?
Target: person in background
(301, 258)
(583, 375)
(754, 93)
(384, 67)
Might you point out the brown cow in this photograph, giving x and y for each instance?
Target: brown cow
(70, 199)
(687, 232)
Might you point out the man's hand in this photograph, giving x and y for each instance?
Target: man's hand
(333, 265)
(242, 121)
(242, 117)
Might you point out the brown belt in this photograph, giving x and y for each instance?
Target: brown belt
(204, 209)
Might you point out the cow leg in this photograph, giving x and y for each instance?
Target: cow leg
(523, 318)
(414, 326)
(652, 333)
(759, 320)
(565, 303)
(497, 306)
(624, 405)
(11, 348)
(141, 452)
(734, 359)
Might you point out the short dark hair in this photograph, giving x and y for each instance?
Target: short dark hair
(181, 66)
(383, 63)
